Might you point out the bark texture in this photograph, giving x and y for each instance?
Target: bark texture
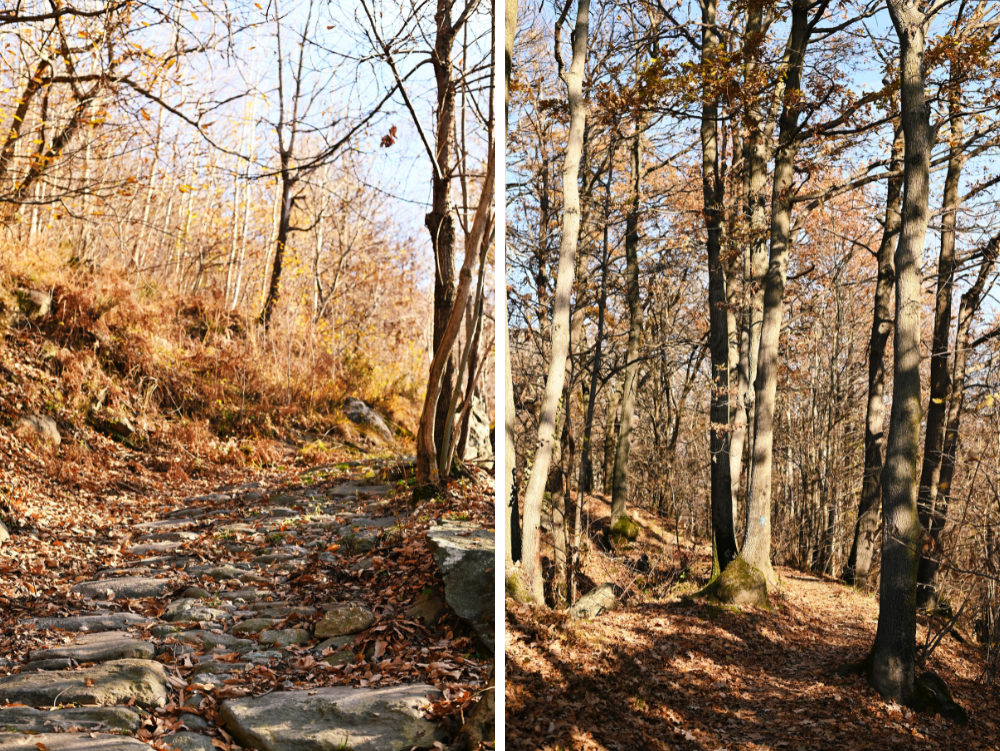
(866, 527)
(619, 487)
(723, 535)
(534, 493)
(892, 668)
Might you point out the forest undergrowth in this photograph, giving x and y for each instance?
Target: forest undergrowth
(666, 670)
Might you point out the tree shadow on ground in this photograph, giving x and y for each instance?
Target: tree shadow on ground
(686, 674)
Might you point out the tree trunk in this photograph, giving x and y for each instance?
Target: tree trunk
(930, 556)
(619, 487)
(512, 529)
(440, 221)
(940, 382)
(755, 552)
(586, 461)
(532, 562)
(611, 434)
(866, 527)
(284, 222)
(723, 536)
(755, 257)
(895, 640)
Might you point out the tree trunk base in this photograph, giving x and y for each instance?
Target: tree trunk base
(930, 693)
(739, 584)
(515, 587)
(425, 492)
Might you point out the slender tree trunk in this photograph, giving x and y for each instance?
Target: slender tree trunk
(930, 556)
(586, 461)
(619, 486)
(940, 382)
(866, 527)
(440, 221)
(895, 639)
(756, 549)
(512, 528)
(281, 242)
(532, 562)
(755, 152)
(611, 433)
(723, 536)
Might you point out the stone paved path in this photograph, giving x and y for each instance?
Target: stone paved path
(231, 622)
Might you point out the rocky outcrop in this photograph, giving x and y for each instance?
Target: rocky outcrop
(360, 413)
(389, 719)
(466, 556)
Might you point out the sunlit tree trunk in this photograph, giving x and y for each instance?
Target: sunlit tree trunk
(866, 527)
(535, 490)
(723, 535)
(940, 381)
(895, 639)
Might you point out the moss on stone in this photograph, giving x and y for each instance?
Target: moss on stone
(623, 529)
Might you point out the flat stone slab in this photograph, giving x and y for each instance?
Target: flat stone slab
(188, 741)
(69, 742)
(190, 512)
(125, 588)
(389, 719)
(171, 536)
(154, 547)
(163, 525)
(208, 498)
(112, 683)
(211, 641)
(93, 623)
(219, 572)
(26, 719)
(101, 647)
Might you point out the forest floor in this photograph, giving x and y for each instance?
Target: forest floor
(665, 671)
(168, 593)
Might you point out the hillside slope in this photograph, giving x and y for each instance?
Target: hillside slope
(665, 671)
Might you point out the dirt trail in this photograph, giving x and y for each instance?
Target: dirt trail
(211, 621)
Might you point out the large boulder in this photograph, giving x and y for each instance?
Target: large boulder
(41, 428)
(466, 556)
(360, 413)
(595, 602)
(388, 719)
(104, 685)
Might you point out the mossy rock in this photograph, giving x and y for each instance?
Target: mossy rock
(516, 589)
(741, 584)
(624, 530)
